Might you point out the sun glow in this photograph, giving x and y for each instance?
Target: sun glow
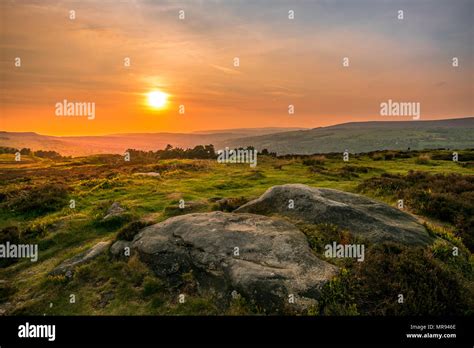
(157, 99)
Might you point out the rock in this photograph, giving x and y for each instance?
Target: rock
(68, 266)
(364, 217)
(118, 248)
(114, 210)
(153, 174)
(273, 259)
(189, 207)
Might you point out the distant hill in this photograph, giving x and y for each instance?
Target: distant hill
(252, 131)
(353, 136)
(368, 136)
(118, 143)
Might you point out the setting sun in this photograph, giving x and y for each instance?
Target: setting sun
(157, 99)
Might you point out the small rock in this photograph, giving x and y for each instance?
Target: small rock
(114, 210)
(67, 267)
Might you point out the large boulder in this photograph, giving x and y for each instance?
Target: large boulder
(364, 217)
(265, 260)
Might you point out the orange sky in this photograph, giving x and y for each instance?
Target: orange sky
(282, 62)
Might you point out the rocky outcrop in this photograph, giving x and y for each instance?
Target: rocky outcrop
(364, 217)
(266, 260)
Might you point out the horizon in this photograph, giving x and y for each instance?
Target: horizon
(210, 131)
(149, 67)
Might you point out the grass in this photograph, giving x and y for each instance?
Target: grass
(118, 287)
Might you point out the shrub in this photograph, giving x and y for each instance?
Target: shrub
(39, 199)
(372, 287)
(443, 251)
(449, 198)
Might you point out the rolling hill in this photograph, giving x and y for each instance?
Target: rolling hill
(368, 136)
(354, 136)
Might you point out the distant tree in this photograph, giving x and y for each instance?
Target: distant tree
(4, 149)
(210, 151)
(170, 152)
(48, 154)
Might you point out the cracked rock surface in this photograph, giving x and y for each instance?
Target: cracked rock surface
(362, 216)
(264, 259)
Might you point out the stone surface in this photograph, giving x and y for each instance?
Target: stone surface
(364, 217)
(118, 248)
(68, 266)
(273, 258)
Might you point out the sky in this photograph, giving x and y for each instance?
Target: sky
(282, 62)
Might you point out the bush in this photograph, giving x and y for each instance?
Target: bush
(449, 198)
(372, 287)
(129, 231)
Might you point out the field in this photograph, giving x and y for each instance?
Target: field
(35, 202)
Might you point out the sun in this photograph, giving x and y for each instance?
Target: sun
(157, 99)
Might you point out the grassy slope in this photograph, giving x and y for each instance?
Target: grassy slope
(98, 182)
(367, 136)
